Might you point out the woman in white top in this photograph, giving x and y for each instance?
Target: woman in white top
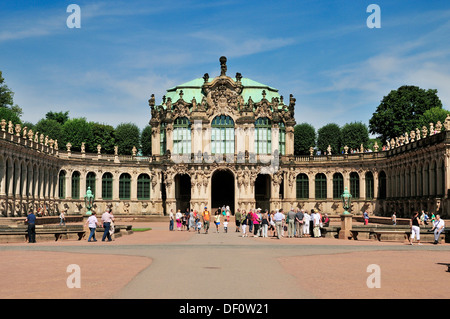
(306, 220)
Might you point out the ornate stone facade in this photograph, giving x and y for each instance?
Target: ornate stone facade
(224, 141)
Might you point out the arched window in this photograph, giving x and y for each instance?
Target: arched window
(263, 136)
(143, 186)
(62, 185)
(162, 138)
(124, 186)
(282, 138)
(222, 135)
(354, 185)
(321, 186)
(302, 186)
(369, 185)
(181, 136)
(90, 182)
(76, 185)
(107, 186)
(338, 185)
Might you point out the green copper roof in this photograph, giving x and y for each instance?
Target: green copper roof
(193, 89)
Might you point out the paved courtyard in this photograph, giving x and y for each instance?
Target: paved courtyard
(159, 264)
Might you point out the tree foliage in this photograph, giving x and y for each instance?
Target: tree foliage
(354, 134)
(8, 115)
(433, 115)
(103, 135)
(400, 111)
(329, 135)
(127, 137)
(75, 132)
(51, 128)
(146, 141)
(304, 138)
(60, 117)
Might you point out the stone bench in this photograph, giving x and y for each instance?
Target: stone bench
(58, 232)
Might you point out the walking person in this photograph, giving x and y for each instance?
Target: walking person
(217, 221)
(92, 223)
(415, 228)
(106, 219)
(438, 228)
(31, 228)
(206, 215)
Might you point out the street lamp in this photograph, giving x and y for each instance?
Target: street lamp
(346, 200)
(89, 200)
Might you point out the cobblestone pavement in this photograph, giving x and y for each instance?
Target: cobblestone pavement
(159, 264)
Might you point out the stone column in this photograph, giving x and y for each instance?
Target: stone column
(346, 226)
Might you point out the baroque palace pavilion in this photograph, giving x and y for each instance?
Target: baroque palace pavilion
(224, 141)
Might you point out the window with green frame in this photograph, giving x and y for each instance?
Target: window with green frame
(90, 182)
(76, 185)
(162, 138)
(62, 185)
(321, 186)
(369, 185)
(282, 138)
(263, 136)
(302, 186)
(182, 136)
(107, 186)
(124, 186)
(143, 186)
(354, 184)
(338, 185)
(222, 135)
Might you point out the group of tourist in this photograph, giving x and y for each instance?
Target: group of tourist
(422, 219)
(108, 225)
(296, 222)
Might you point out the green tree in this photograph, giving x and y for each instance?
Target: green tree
(331, 135)
(400, 111)
(103, 135)
(354, 134)
(146, 141)
(432, 115)
(60, 117)
(6, 95)
(127, 137)
(76, 131)
(304, 138)
(51, 128)
(9, 115)
(7, 98)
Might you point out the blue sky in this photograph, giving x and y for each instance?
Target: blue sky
(322, 52)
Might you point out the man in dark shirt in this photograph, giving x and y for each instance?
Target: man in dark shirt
(31, 221)
(299, 223)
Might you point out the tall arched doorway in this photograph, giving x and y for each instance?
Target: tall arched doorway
(222, 190)
(183, 192)
(262, 191)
